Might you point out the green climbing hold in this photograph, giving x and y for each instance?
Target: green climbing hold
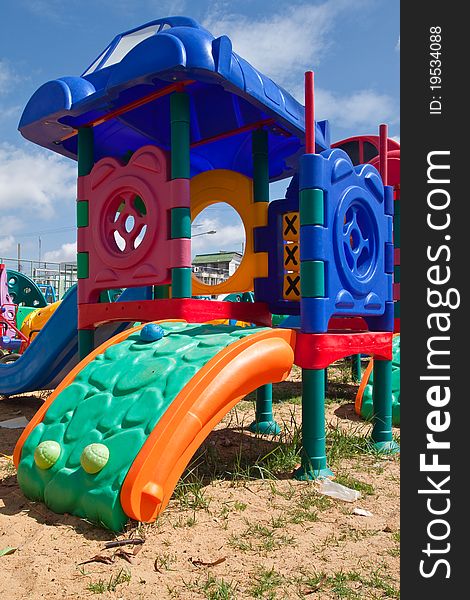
(47, 454)
(94, 457)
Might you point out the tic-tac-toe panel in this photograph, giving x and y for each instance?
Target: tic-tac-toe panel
(124, 225)
(280, 239)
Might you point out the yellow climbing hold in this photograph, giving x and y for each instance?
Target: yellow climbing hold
(47, 454)
(94, 457)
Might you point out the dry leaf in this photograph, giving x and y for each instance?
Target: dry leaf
(125, 555)
(201, 563)
(106, 560)
(123, 543)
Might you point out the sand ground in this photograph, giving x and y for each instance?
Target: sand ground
(231, 531)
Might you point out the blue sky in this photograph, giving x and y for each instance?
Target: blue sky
(352, 45)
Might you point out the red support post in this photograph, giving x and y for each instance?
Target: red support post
(383, 150)
(309, 113)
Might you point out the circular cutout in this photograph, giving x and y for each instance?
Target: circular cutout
(357, 241)
(218, 243)
(125, 222)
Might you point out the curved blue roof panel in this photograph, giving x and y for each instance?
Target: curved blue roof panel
(228, 98)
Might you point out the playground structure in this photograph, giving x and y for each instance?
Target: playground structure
(167, 121)
(19, 296)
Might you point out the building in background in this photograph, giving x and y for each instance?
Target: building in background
(216, 267)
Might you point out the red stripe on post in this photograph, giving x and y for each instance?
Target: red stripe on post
(309, 113)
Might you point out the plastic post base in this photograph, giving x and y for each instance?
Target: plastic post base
(307, 473)
(265, 427)
(389, 447)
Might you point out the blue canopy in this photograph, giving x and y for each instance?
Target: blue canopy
(227, 96)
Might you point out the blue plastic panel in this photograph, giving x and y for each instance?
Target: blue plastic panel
(355, 244)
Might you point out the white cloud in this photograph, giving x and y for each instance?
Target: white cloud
(228, 236)
(397, 47)
(7, 77)
(7, 243)
(66, 253)
(9, 112)
(32, 182)
(360, 109)
(284, 43)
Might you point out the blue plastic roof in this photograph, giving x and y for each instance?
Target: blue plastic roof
(227, 94)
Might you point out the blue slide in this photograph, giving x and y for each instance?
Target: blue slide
(54, 351)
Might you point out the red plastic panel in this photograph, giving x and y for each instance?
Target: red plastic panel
(319, 350)
(191, 310)
(128, 237)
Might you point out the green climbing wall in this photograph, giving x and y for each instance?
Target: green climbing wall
(367, 409)
(24, 291)
(116, 400)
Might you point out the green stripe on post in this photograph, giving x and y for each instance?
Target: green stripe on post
(259, 147)
(181, 283)
(312, 279)
(82, 213)
(180, 223)
(86, 342)
(382, 435)
(161, 292)
(264, 419)
(311, 207)
(85, 150)
(396, 273)
(82, 265)
(313, 426)
(180, 133)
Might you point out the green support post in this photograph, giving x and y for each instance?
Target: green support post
(382, 436)
(314, 381)
(313, 426)
(356, 368)
(181, 284)
(161, 292)
(264, 419)
(86, 160)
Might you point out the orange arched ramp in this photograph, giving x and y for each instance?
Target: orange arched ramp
(265, 357)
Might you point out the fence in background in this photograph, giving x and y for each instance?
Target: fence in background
(60, 276)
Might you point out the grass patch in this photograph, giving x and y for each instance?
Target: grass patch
(213, 589)
(266, 583)
(353, 483)
(352, 585)
(260, 538)
(307, 506)
(165, 562)
(342, 444)
(101, 586)
(190, 493)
